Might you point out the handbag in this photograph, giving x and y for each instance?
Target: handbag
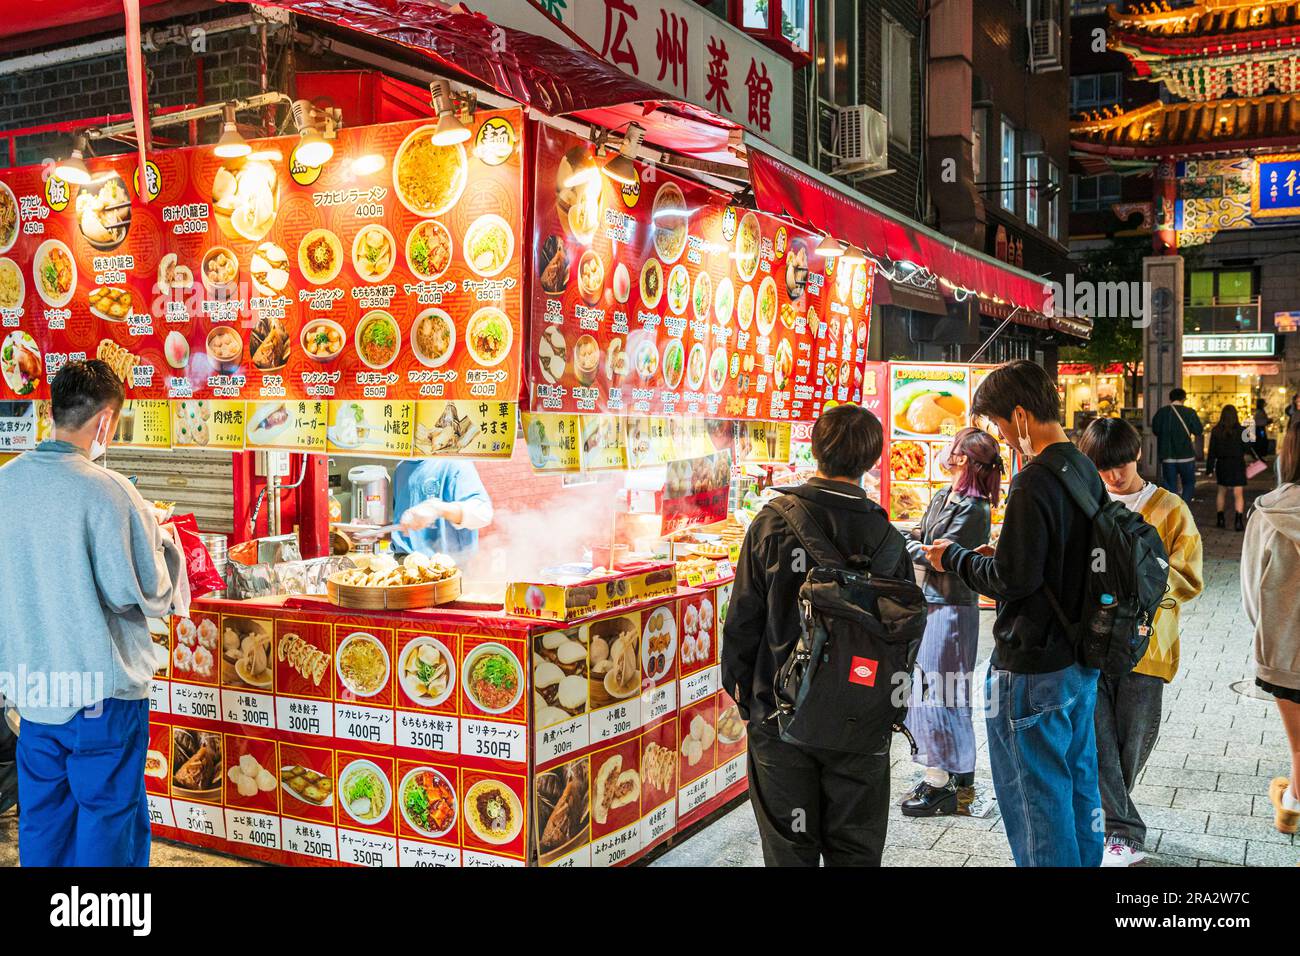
(1255, 469)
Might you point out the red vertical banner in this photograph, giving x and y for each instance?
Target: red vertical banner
(135, 82)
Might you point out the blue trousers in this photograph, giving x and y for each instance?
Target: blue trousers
(1043, 756)
(81, 793)
(1176, 471)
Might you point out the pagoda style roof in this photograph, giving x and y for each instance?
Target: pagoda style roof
(1209, 27)
(1167, 130)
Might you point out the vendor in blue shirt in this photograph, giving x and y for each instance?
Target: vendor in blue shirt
(441, 503)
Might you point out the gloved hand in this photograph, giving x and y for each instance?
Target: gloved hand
(423, 515)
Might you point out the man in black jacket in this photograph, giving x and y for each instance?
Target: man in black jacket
(810, 803)
(1042, 742)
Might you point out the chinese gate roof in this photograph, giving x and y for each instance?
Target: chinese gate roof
(1164, 130)
(1213, 26)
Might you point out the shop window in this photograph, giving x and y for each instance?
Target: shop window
(836, 51)
(1095, 90)
(784, 25)
(896, 81)
(1054, 201)
(1008, 168)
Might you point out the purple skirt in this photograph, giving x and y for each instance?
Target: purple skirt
(939, 713)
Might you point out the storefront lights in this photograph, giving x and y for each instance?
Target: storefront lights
(231, 145)
(73, 169)
(314, 149)
(830, 247)
(620, 167)
(853, 256)
(450, 130)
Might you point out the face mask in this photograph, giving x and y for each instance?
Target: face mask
(1023, 443)
(100, 443)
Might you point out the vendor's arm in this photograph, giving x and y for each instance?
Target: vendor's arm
(464, 502)
(1184, 547)
(135, 563)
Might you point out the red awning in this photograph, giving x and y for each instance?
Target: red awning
(784, 190)
(534, 71)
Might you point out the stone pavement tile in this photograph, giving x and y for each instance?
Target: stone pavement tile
(904, 856)
(1163, 758)
(1236, 735)
(990, 861)
(943, 823)
(1257, 829)
(1159, 859)
(1172, 818)
(906, 833)
(1271, 854)
(1231, 764)
(1165, 777)
(975, 843)
(1212, 747)
(1241, 783)
(1188, 799)
(1274, 748)
(1154, 796)
(1274, 767)
(1202, 846)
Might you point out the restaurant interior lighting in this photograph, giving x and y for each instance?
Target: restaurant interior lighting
(620, 167)
(231, 145)
(73, 169)
(314, 147)
(830, 247)
(450, 130)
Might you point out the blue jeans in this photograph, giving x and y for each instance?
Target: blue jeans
(81, 790)
(1185, 470)
(1043, 751)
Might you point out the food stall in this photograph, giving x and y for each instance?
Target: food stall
(1088, 392)
(387, 304)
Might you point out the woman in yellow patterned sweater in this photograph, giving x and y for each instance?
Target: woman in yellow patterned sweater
(1129, 709)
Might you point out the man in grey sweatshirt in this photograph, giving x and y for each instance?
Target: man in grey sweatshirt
(83, 564)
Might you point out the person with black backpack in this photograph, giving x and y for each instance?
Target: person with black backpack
(817, 652)
(1077, 578)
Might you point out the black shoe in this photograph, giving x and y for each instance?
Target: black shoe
(1218, 522)
(1238, 523)
(932, 801)
(963, 779)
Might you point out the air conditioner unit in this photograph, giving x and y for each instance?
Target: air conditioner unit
(1045, 46)
(863, 140)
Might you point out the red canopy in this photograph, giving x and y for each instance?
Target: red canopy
(532, 70)
(785, 190)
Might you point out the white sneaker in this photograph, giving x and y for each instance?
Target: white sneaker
(1121, 854)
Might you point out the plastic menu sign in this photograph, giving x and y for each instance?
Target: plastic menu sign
(289, 425)
(17, 426)
(764, 443)
(371, 428)
(144, 424)
(603, 445)
(465, 429)
(553, 442)
(648, 441)
(200, 423)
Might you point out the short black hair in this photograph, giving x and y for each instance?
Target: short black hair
(81, 390)
(1178, 395)
(1018, 383)
(1110, 443)
(847, 441)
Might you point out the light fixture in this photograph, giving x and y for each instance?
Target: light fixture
(450, 129)
(73, 169)
(314, 149)
(367, 164)
(583, 172)
(231, 145)
(830, 247)
(620, 167)
(853, 256)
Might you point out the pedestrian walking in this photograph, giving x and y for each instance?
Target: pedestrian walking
(102, 567)
(1042, 739)
(939, 715)
(1226, 461)
(1292, 409)
(1262, 421)
(1130, 708)
(1174, 426)
(811, 803)
(1270, 591)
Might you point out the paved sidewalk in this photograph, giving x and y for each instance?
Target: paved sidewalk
(1204, 793)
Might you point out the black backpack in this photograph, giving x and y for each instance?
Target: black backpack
(1127, 580)
(846, 684)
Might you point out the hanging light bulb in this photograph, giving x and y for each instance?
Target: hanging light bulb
(450, 129)
(73, 169)
(853, 256)
(830, 247)
(583, 172)
(313, 148)
(231, 145)
(620, 167)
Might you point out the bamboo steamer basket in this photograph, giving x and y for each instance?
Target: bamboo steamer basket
(402, 597)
